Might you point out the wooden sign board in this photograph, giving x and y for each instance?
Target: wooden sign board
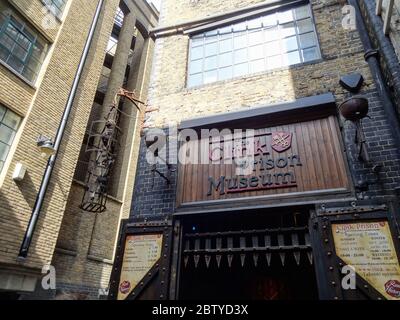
(369, 248)
(141, 254)
(289, 159)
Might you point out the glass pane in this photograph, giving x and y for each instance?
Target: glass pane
(289, 44)
(6, 134)
(210, 63)
(285, 16)
(240, 70)
(272, 34)
(307, 40)
(255, 23)
(225, 59)
(211, 49)
(256, 52)
(291, 58)
(270, 20)
(2, 112)
(225, 73)
(226, 31)
(15, 22)
(38, 51)
(240, 40)
(274, 62)
(211, 38)
(211, 33)
(11, 31)
(304, 26)
(257, 66)
(4, 53)
(1, 165)
(302, 12)
(196, 53)
(210, 76)
(240, 26)
(15, 63)
(34, 65)
(310, 54)
(24, 42)
(288, 30)
(273, 48)
(20, 52)
(195, 80)
(196, 66)
(225, 45)
(240, 56)
(4, 149)
(12, 120)
(256, 38)
(7, 42)
(197, 41)
(29, 74)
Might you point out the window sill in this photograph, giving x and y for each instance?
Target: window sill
(97, 259)
(250, 75)
(18, 75)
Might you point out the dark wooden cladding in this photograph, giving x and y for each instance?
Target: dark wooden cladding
(315, 142)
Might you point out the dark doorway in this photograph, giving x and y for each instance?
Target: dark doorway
(254, 256)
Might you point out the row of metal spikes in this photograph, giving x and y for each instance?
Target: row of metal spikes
(256, 256)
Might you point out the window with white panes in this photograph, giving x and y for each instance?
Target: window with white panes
(9, 124)
(21, 48)
(274, 40)
(55, 6)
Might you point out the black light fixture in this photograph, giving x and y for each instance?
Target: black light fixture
(355, 109)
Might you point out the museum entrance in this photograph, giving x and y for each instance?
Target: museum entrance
(257, 256)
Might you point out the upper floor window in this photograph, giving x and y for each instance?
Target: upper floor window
(21, 47)
(55, 6)
(9, 124)
(268, 42)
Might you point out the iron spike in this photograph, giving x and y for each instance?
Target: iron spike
(242, 259)
(255, 258)
(282, 255)
(218, 257)
(269, 256)
(196, 260)
(230, 258)
(310, 257)
(297, 257)
(208, 260)
(186, 260)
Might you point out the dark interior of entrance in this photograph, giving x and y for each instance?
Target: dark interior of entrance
(258, 256)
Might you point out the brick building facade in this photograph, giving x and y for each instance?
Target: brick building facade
(42, 45)
(201, 81)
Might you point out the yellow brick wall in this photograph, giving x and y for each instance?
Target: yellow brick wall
(35, 12)
(43, 117)
(89, 238)
(341, 51)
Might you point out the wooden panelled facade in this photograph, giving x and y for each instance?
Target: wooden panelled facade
(313, 163)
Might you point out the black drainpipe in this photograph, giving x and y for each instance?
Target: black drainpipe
(23, 252)
(371, 56)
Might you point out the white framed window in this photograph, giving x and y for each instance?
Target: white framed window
(271, 41)
(9, 124)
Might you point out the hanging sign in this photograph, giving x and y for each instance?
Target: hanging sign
(141, 254)
(369, 248)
